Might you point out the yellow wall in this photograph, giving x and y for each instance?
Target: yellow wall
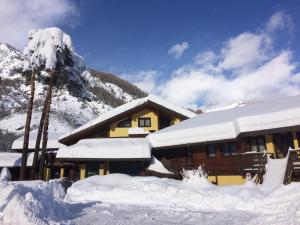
(176, 120)
(116, 131)
(270, 145)
(82, 171)
(227, 180)
(295, 140)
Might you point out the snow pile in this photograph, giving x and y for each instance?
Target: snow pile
(151, 191)
(43, 46)
(196, 177)
(279, 206)
(275, 174)
(32, 202)
(157, 166)
(5, 175)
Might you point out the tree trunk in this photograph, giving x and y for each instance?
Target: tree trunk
(45, 125)
(34, 168)
(27, 129)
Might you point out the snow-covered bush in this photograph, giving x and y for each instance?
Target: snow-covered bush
(195, 176)
(5, 175)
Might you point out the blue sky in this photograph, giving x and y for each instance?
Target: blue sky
(127, 36)
(220, 46)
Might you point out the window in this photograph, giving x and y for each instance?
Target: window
(233, 148)
(229, 149)
(211, 151)
(125, 123)
(225, 149)
(257, 144)
(144, 122)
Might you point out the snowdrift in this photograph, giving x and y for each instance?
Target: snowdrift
(32, 202)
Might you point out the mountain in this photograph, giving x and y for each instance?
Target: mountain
(80, 94)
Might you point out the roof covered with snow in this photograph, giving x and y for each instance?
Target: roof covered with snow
(10, 159)
(52, 141)
(107, 148)
(228, 124)
(129, 106)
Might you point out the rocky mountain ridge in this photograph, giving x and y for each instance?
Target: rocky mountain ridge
(80, 95)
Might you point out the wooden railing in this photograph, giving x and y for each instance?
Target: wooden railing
(253, 163)
(293, 166)
(178, 164)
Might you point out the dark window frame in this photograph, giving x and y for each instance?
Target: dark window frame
(232, 149)
(119, 124)
(144, 119)
(254, 143)
(228, 153)
(209, 155)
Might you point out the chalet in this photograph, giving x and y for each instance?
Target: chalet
(14, 159)
(114, 142)
(222, 140)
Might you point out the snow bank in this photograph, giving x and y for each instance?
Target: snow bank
(152, 191)
(32, 202)
(279, 206)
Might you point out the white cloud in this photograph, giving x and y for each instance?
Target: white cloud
(17, 17)
(145, 80)
(178, 49)
(279, 20)
(247, 67)
(247, 49)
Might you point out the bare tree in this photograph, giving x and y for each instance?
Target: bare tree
(48, 101)
(27, 128)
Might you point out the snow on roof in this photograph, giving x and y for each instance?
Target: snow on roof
(52, 141)
(9, 159)
(157, 166)
(137, 131)
(228, 124)
(43, 45)
(107, 148)
(128, 106)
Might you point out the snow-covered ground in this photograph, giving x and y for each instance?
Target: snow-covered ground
(121, 199)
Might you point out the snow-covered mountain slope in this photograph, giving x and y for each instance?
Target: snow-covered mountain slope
(79, 96)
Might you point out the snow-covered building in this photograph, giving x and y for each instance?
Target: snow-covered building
(12, 161)
(114, 142)
(52, 169)
(216, 139)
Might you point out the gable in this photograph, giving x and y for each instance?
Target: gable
(153, 110)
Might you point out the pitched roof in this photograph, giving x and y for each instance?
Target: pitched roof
(127, 107)
(12, 159)
(229, 124)
(52, 141)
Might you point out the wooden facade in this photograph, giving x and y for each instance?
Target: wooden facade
(230, 158)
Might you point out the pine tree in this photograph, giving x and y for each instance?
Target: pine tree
(48, 101)
(34, 167)
(27, 128)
